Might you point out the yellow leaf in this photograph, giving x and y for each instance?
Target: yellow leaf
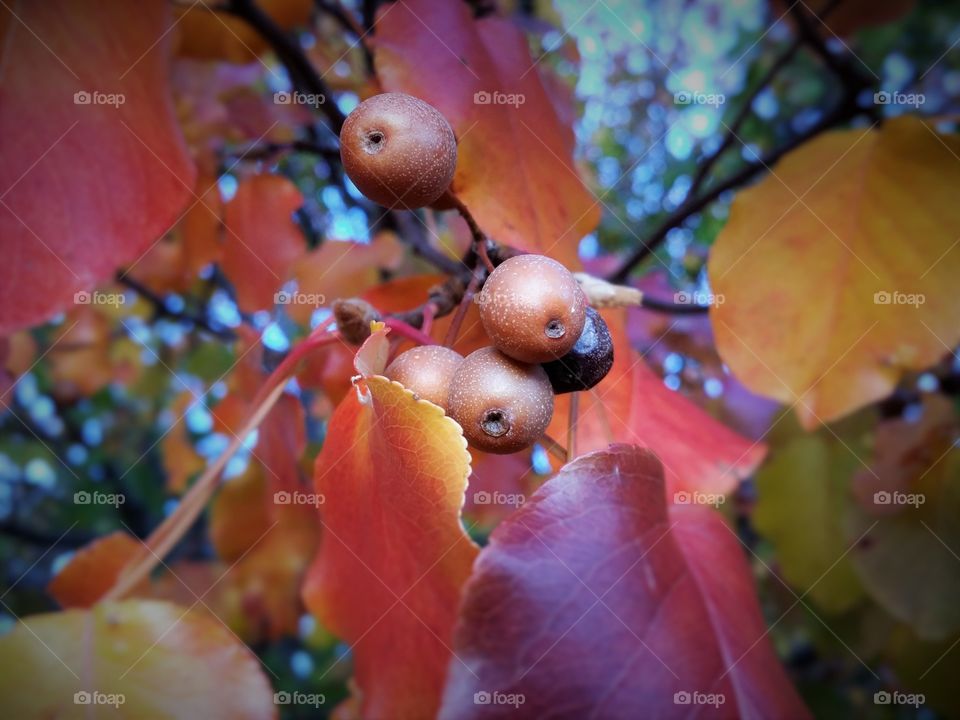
(836, 273)
(139, 659)
(805, 485)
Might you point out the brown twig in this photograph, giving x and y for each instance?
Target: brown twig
(348, 22)
(480, 241)
(161, 310)
(465, 301)
(554, 448)
(843, 112)
(304, 76)
(572, 425)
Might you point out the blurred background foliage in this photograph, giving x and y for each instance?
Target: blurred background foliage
(102, 409)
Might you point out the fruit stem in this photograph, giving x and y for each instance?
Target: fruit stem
(408, 331)
(554, 448)
(462, 309)
(479, 238)
(572, 424)
(429, 313)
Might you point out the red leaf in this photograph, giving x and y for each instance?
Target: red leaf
(593, 601)
(262, 241)
(515, 169)
(393, 554)
(85, 187)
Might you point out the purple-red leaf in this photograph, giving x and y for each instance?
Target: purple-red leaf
(593, 600)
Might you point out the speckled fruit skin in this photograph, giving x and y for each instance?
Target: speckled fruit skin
(399, 151)
(502, 405)
(427, 370)
(532, 308)
(588, 362)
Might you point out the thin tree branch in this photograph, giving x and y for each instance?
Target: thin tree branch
(335, 9)
(734, 127)
(843, 66)
(845, 111)
(11, 529)
(161, 310)
(304, 76)
(853, 83)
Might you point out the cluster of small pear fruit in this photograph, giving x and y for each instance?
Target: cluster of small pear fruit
(401, 152)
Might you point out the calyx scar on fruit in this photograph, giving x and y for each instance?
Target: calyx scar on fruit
(398, 150)
(503, 405)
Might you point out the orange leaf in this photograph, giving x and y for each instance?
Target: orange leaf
(180, 459)
(207, 34)
(394, 556)
(340, 269)
(258, 593)
(632, 405)
(200, 228)
(515, 169)
(262, 241)
(239, 514)
(837, 271)
(282, 437)
(85, 358)
(90, 108)
(93, 570)
(270, 578)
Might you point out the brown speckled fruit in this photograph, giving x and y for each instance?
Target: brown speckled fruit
(399, 151)
(502, 405)
(427, 370)
(532, 308)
